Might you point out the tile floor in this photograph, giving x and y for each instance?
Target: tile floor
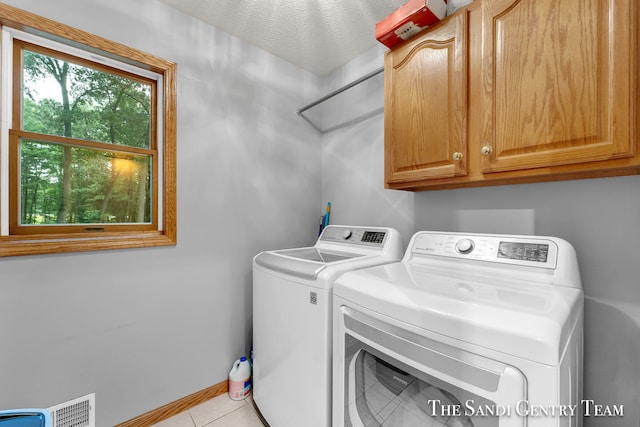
(220, 411)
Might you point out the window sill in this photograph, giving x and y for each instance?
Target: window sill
(50, 244)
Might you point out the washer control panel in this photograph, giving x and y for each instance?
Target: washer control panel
(354, 235)
(537, 252)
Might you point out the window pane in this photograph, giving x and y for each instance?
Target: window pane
(70, 185)
(66, 99)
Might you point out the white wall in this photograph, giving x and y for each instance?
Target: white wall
(145, 327)
(600, 217)
(353, 152)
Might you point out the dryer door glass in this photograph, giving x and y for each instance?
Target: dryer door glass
(394, 377)
(390, 394)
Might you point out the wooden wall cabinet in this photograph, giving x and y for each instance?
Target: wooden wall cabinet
(426, 105)
(528, 91)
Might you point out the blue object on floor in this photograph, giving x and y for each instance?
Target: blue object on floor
(25, 418)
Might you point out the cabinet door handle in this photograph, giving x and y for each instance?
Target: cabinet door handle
(457, 156)
(487, 150)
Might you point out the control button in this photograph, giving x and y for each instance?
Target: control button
(346, 234)
(464, 246)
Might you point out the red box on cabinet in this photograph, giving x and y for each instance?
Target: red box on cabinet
(409, 19)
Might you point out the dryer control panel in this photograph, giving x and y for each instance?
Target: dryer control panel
(519, 250)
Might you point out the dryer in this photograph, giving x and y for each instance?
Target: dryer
(467, 330)
(292, 320)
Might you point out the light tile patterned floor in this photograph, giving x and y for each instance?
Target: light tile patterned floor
(220, 411)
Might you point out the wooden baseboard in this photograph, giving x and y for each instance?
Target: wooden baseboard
(174, 408)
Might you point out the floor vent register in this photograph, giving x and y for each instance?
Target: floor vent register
(79, 412)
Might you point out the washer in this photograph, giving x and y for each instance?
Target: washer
(467, 330)
(292, 320)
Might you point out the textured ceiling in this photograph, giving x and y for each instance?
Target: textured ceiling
(317, 35)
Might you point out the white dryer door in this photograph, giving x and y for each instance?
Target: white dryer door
(395, 377)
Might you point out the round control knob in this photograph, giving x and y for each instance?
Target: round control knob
(457, 156)
(346, 234)
(464, 246)
(487, 150)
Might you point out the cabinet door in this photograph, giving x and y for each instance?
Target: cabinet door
(557, 82)
(426, 105)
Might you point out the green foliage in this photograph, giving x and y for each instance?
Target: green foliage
(64, 184)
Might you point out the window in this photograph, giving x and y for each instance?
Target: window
(87, 159)
(82, 145)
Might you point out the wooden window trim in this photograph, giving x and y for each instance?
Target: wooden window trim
(91, 241)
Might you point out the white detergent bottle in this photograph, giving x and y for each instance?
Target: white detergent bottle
(240, 379)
